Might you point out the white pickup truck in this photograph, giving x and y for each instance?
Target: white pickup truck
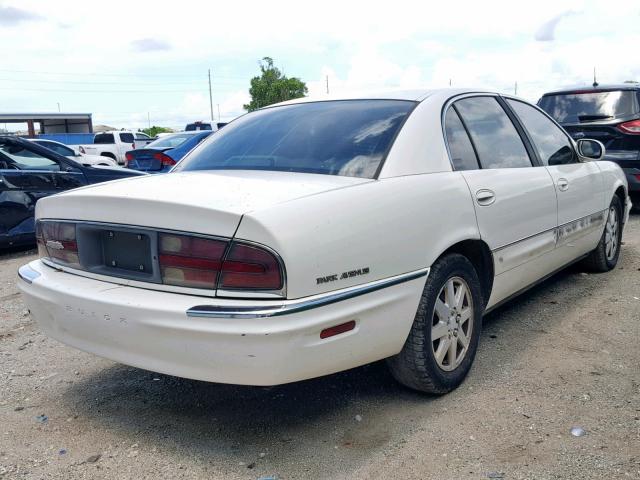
(115, 144)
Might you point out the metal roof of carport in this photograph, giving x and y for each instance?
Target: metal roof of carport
(23, 117)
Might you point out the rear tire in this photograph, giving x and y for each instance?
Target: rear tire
(449, 313)
(605, 256)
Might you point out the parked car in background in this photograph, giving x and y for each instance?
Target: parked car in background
(29, 172)
(161, 155)
(84, 159)
(115, 144)
(318, 235)
(195, 126)
(607, 113)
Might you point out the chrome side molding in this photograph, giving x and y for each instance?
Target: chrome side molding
(295, 306)
(27, 273)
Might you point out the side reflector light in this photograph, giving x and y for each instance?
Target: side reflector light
(338, 329)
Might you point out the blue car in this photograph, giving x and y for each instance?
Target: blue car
(161, 155)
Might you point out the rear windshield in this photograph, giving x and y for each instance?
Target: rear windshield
(103, 138)
(192, 127)
(170, 141)
(348, 138)
(579, 107)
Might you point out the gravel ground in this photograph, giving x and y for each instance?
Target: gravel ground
(562, 355)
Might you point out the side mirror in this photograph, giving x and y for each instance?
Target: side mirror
(590, 149)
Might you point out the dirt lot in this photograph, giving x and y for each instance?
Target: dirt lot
(563, 355)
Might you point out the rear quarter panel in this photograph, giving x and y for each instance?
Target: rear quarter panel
(613, 178)
(390, 226)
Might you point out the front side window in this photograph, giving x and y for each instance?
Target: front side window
(551, 143)
(497, 141)
(348, 138)
(461, 150)
(16, 157)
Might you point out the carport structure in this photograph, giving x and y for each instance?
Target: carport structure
(51, 122)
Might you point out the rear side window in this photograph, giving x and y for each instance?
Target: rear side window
(104, 138)
(461, 150)
(126, 137)
(551, 143)
(496, 139)
(589, 106)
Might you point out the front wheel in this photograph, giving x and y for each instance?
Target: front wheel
(442, 344)
(606, 254)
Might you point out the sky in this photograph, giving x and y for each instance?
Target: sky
(135, 63)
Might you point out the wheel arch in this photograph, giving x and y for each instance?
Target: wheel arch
(108, 154)
(480, 256)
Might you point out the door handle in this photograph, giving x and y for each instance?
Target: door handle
(485, 197)
(563, 184)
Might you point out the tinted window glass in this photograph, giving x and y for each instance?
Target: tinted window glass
(170, 141)
(61, 149)
(462, 155)
(580, 107)
(104, 138)
(142, 136)
(126, 137)
(494, 136)
(552, 144)
(348, 138)
(19, 158)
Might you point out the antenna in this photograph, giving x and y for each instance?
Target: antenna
(595, 82)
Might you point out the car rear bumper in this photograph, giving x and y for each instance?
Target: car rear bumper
(151, 329)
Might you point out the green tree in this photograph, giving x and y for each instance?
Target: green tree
(273, 87)
(154, 131)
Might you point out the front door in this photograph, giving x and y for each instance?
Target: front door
(581, 203)
(25, 177)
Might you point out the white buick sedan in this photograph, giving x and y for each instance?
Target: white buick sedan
(314, 236)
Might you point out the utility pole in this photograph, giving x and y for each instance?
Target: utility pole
(149, 119)
(210, 96)
(595, 82)
(449, 82)
(218, 112)
(58, 106)
(327, 78)
(515, 88)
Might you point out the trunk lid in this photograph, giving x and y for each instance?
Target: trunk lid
(206, 202)
(144, 160)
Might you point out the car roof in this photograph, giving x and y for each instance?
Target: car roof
(412, 95)
(598, 88)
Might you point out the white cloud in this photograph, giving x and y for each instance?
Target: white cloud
(404, 45)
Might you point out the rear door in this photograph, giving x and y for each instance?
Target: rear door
(579, 185)
(26, 176)
(515, 201)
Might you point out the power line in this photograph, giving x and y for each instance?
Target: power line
(91, 74)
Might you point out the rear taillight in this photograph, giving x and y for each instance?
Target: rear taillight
(250, 267)
(632, 127)
(197, 262)
(133, 145)
(57, 241)
(81, 148)
(189, 261)
(165, 160)
(127, 158)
